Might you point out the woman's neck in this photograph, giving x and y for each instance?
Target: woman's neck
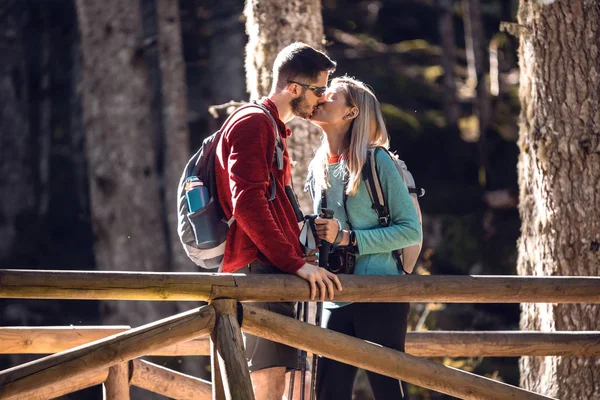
(335, 141)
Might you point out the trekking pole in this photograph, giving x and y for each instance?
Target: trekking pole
(293, 372)
(324, 248)
(313, 378)
(303, 355)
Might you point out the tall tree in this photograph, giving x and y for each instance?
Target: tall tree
(17, 166)
(559, 178)
(446, 28)
(122, 167)
(227, 41)
(271, 25)
(174, 109)
(475, 45)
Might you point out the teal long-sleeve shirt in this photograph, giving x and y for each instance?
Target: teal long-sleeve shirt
(375, 243)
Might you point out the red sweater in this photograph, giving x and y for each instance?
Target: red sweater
(263, 230)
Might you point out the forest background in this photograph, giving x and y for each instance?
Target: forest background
(426, 60)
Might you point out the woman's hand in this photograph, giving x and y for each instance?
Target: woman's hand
(327, 229)
(312, 259)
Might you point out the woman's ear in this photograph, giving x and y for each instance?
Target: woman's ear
(352, 114)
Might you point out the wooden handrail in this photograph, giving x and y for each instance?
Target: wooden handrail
(98, 285)
(20, 381)
(49, 340)
(372, 357)
(503, 344)
(54, 339)
(62, 387)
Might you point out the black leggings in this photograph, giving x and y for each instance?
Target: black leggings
(381, 323)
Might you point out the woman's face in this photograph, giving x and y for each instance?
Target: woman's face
(331, 110)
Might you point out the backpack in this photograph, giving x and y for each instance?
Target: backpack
(210, 219)
(407, 257)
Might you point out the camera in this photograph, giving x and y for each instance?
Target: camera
(342, 260)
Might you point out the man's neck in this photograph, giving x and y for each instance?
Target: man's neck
(283, 107)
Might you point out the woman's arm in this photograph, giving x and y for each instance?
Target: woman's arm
(405, 228)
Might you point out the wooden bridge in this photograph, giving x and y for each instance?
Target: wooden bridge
(87, 356)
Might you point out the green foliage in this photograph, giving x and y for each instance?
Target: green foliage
(400, 120)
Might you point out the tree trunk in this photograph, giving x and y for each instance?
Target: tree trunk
(227, 41)
(174, 101)
(559, 178)
(17, 167)
(297, 20)
(446, 27)
(475, 49)
(122, 166)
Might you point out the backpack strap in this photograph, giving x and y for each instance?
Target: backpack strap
(279, 148)
(371, 178)
(278, 156)
(375, 190)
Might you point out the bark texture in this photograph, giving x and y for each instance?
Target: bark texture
(559, 178)
(124, 186)
(17, 167)
(174, 100)
(475, 43)
(446, 28)
(271, 25)
(226, 63)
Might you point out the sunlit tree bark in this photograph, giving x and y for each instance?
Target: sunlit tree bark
(271, 25)
(559, 178)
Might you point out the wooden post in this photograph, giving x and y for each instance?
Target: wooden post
(99, 285)
(116, 386)
(233, 365)
(218, 392)
(169, 383)
(106, 352)
(378, 359)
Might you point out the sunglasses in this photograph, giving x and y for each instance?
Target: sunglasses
(317, 90)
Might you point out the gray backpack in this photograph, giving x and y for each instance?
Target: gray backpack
(210, 220)
(408, 256)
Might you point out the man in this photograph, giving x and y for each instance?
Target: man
(264, 237)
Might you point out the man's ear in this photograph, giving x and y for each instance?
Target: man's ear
(294, 90)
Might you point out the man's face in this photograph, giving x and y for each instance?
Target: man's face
(304, 105)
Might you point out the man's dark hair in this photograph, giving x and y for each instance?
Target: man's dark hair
(299, 60)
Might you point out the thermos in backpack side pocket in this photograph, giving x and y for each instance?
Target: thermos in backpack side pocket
(209, 229)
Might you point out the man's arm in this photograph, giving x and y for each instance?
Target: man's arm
(251, 146)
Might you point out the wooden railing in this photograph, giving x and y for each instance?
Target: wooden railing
(113, 359)
(54, 339)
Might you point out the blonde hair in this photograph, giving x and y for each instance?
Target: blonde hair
(366, 132)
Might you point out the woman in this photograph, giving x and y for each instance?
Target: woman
(351, 119)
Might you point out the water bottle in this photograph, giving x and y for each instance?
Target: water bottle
(196, 194)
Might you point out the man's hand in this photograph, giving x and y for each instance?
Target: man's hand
(319, 276)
